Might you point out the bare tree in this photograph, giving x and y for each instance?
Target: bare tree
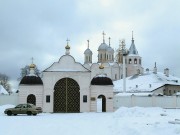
(26, 70)
(4, 81)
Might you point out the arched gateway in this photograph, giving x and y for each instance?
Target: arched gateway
(66, 96)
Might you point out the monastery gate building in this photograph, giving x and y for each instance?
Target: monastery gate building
(69, 86)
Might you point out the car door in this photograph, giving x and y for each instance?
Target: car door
(24, 109)
(17, 109)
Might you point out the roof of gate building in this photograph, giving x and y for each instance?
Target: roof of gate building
(101, 80)
(31, 80)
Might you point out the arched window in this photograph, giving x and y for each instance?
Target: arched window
(100, 56)
(130, 61)
(31, 99)
(86, 58)
(140, 61)
(135, 61)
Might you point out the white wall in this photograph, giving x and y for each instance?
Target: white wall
(12, 99)
(147, 101)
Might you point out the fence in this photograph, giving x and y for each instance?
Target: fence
(9, 99)
(147, 101)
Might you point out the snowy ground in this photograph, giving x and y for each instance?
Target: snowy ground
(125, 121)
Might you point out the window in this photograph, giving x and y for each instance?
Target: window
(129, 61)
(48, 99)
(140, 61)
(86, 58)
(135, 61)
(85, 98)
(115, 76)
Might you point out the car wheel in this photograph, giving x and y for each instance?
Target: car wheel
(9, 113)
(35, 114)
(29, 113)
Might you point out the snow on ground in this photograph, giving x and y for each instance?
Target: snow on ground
(125, 121)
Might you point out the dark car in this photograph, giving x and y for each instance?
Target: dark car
(28, 109)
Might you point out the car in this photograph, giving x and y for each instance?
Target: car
(28, 109)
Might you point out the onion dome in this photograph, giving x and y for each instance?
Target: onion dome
(32, 65)
(87, 51)
(101, 66)
(109, 49)
(101, 80)
(31, 80)
(103, 46)
(67, 47)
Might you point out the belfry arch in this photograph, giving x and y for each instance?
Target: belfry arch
(66, 96)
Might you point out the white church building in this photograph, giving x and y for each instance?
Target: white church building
(69, 86)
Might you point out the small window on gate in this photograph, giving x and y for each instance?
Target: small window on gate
(85, 98)
(48, 99)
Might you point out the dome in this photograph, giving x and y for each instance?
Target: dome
(32, 65)
(67, 47)
(87, 51)
(109, 49)
(31, 80)
(101, 80)
(103, 46)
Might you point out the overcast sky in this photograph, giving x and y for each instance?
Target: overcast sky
(39, 29)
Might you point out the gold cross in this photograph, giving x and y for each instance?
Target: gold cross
(32, 59)
(67, 41)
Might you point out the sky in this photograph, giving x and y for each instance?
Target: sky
(39, 29)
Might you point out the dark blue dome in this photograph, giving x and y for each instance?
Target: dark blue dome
(101, 80)
(31, 80)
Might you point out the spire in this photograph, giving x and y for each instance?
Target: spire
(88, 43)
(103, 37)
(32, 68)
(132, 49)
(67, 47)
(109, 42)
(32, 59)
(132, 36)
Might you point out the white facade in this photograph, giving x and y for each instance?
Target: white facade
(66, 68)
(69, 77)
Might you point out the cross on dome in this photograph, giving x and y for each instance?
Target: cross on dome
(103, 37)
(32, 60)
(88, 43)
(67, 41)
(109, 41)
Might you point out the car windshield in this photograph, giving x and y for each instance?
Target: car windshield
(18, 106)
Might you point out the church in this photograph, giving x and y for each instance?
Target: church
(68, 86)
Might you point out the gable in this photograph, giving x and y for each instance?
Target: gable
(66, 64)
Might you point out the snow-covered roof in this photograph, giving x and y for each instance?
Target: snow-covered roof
(2, 90)
(146, 82)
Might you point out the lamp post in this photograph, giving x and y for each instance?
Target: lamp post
(124, 52)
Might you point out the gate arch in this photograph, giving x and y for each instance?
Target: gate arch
(31, 99)
(66, 96)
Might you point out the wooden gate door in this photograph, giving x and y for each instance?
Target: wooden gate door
(66, 96)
